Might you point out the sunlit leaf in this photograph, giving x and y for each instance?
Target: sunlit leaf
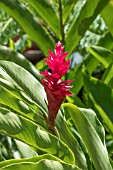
(96, 149)
(25, 150)
(33, 159)
(41, 165)
(45, 10)
(26, 81)
(68, 6)
(66, 136)
(107, 15)
(30, 133)
(19, 104)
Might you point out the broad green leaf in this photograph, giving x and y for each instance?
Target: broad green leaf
(82, 145)
(26, 81)
(17, 104)
(25, 150)
(107, 15)
(102, 98)
(19, 101)
(30, 25)
(68, 138)
(45, 10)
(96, 149)
(97, 126)
(37, 159)
(33, 159)
(107, 77)
(10, 87)
(68, 6)
(10, 55)
(102, 55)
(79, 26)
(30, 133)
(91, 116)
(15, 90)
(41, 165)
(5, 76)
(8, 99)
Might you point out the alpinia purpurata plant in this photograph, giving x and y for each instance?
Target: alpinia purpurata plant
(24, 117)
(56, 88)
(78, 138)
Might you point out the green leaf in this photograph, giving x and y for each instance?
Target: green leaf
(91, 116)
(9, 99)
(15, 90)
(96, 149)
(19, 101)
(25, 150)
(79, 26)
(41, 165)
(68, 138)
(10, 55)
(30, 25)
(47, 13)
(30, 133)
(26, 81)
(33, 159)
(102, 55)
(102, 98)
(5, 76)
(68, 6)
(36, 159)
(19, 104)
(107, 15)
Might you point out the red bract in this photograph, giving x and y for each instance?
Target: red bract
(56, 88)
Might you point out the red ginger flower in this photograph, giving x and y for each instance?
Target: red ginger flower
(56, 88)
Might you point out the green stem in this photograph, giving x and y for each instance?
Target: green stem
(61, 22)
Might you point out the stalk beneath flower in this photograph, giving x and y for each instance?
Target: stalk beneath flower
(56, 89)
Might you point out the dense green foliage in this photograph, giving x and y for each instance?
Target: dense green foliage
(84, 123)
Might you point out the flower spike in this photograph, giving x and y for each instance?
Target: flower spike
(56, 89)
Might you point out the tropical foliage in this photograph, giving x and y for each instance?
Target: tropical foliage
(84, 123)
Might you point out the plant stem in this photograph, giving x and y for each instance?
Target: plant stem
(51, 125)
(61, 22)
